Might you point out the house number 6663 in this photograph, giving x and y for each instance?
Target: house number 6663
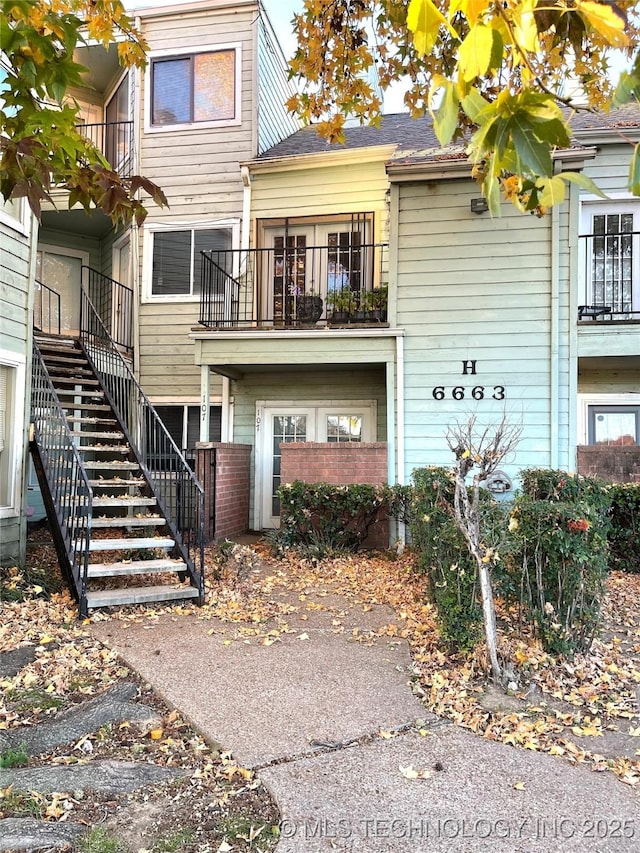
(478, 392)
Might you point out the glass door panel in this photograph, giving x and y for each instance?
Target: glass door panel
(62, 273)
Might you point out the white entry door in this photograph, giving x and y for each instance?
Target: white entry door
(353, 421)
(61, 270)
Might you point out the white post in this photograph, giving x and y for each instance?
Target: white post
(205, 407)
(226, 409)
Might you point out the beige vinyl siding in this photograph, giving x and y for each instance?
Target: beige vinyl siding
(606, 379)
(199, 171)
(274, 88)
(356, 187)
(473, 288)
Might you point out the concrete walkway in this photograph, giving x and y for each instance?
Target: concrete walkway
(307, 712)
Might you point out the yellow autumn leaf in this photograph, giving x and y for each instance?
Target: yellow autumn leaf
(46, 638)
(386, 735)
(156, 734)
(519, 786)
(409, 772)
(424, 20)
(605, 20)
(474, 54)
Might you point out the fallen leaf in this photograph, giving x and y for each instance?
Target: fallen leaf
(409, 772)
(519, 786)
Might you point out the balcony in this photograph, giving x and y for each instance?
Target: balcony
(115, 140)
(293, 287)
(610, 277)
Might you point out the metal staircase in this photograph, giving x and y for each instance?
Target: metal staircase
(125, 508)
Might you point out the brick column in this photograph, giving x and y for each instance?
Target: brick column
(223, 470)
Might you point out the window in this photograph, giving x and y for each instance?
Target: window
(15, 214)
(344, 428)
(198, 88)
(118, 143)
(12, 378)
(183, 425)
(611, 235)
(614, 425)
(176, 264)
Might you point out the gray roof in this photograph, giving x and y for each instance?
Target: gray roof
(416, 140)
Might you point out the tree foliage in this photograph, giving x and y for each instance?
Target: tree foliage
(41, 146)
(503, 79)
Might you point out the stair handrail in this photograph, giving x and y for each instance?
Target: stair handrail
(52, 297)
(68, 484)
(179, 494)
(117, 297)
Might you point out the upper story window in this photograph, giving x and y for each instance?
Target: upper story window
(610, 258)
(199, 88)
(173, 259)
(15, 214)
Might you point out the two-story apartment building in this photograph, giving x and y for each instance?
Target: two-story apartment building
(213, 95)
(533, 318)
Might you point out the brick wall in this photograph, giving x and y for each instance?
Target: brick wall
(224, 472)
(612, 463)
(340, 465)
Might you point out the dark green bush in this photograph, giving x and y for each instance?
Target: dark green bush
(559, 553)
(322, 519)
(443, 557)
(624, 535)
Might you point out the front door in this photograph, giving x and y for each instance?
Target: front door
(354, 421)
(61, 270)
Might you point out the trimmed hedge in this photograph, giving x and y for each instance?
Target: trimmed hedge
(624, 535)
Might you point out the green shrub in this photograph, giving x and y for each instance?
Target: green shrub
(444, 558)
(559, 555)
(624, 535)
(322, 519)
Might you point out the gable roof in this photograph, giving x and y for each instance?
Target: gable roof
(416, 141)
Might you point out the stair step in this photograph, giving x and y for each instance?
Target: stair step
(79, 420)
(108, 484)
(116, 436)
(140, 595)
(68, 359)
(68, 371)
(127, 501)
(126, 521)
(134, 567)
(46, 345)
(87, 407)
(102, 448)
(74, 392)
(123, 466)
(59, 380)
(132, 544)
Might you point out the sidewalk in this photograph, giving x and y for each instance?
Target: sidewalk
(352, 759)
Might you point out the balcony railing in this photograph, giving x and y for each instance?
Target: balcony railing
(609, 266)
(294, 287)
(46, 309)
(113, 303)
(115, 140)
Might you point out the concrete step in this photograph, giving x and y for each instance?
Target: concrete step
(74, 392)
(73, 419)
(115, 483)
(115, 436)
(132, 501)
(86, 407)
(135, 543)
(59, 380)
(111, 466)
(102, 448)
(55, 371)
(134, 567)
(139, 595)
(66, 360)
(127, 521)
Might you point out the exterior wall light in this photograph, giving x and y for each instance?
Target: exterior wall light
(479, 205)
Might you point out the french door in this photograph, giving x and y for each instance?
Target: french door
(310, 262)
(354, 421)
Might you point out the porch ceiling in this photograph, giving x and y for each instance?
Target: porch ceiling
(78, 221)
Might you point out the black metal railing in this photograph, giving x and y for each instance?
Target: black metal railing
(46, 309)
(179, 494)
(60, 463)
(113, 302)
(294, 286)
(115, 140)
(610, 271)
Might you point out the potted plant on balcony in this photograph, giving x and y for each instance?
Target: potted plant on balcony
(376, 301)
(308, 308)
(343, 305)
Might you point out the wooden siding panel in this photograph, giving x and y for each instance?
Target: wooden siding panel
(470, 288)
(274, 88)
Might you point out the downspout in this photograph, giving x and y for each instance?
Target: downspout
(400, 473)
(554, 409)
(574, 267)
(135, 231)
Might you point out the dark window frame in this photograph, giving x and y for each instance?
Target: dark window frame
(595, 409)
